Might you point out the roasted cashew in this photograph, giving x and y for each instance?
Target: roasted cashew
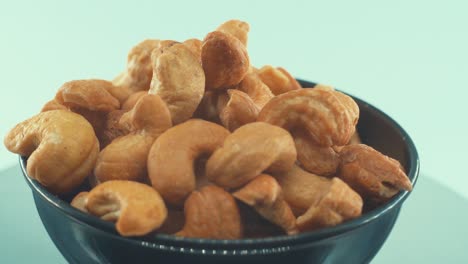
(236, 28)
(136, 208)
(211, 213)
(329, 117)
(171, 158)
(372, 174)
(239, 110)
(125, 157)
(178, 79)
(225, 60)
(195, 45)
(79, 201)
(208, 108)
(132, 100)
(256, 89)
(61, 148)
(278, 79)
(263, 193)
(250, 150)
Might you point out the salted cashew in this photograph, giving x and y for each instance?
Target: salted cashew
(211, 213)
(316, 159)
(136, 208)
(263, 193)
(329, 117)
(256, 89)
(61, 148)
(372, 174)
(225, 60)
(178, 79)
(112, 128)
(249, 151)
(132, 100)
(171, 158)
(237, 28)
(278, 79)
(79, 201)
(318, 201)
(195, 45)
(125, 157)
(139, 72)
(239, 110)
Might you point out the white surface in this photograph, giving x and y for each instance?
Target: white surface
(408, 59)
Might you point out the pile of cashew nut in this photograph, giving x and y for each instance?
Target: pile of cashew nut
(192, 140)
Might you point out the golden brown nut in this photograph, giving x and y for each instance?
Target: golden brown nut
(79, 201)
(278, 79)
(178, 79)
(139, 72)
(316, 159)
(372, 174)
(250, 150)
(211, 213)
(208, 108)
(136, 208)
(132, 100)
(239, 110)
(53, 105)
(195, 45)
(61, 148)
(236, 28)
(225, 60)
(112, 128)
(329, 117)
(338, 205)
(171, 158)
(256, 89)
(264, 194)
(125, 157)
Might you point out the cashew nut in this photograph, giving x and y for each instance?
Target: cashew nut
(329, 117)
(79, 201)
(236, 28)
(132, 100)
(195, 45)
(125, 157)
(256, 89)
(250, 150)
(211, 213)
(225, 60)
(278, 79)
(61, 147)
(171, 158)
(178, 79)
(239, 110)
(372, 174)
(264, 194)
(136, 208)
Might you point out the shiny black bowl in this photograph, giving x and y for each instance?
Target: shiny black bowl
(83, 238)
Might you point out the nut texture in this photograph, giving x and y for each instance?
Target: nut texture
(236, 28)
(211, 213)
(278, 79)
(329, 117)
(61, 148)
(264, 194)
(256, 89)
(225, 60)
(250, 150)
(136, 208)
(178, 79)
(239, 110)
(171, 158)
(372, 174)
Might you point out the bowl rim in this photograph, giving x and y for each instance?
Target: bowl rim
(228, 247)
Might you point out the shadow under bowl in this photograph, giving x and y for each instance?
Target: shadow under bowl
(82, 238)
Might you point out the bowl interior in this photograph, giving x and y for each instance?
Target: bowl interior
(375, 128)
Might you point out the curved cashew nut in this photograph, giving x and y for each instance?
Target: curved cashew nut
(136, 208)
(250, 150)
(278, 79)
(239, 110)
(237, 28)
(256, 89)
(61, 146)
(318, 201)
(329, 117)
(178, 79)
(125, 157)
(264, 194)
(171, 158)
(225, 60)
(372, 174)
(316, 159)
(211, 213)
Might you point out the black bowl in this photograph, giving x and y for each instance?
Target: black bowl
(83, 238)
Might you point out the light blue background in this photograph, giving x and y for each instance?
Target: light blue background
(408, 58)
